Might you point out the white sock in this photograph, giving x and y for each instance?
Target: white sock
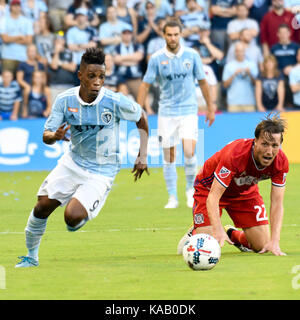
(34, 231)
(190, 169)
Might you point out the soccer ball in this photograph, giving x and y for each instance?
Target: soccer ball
(201, 252)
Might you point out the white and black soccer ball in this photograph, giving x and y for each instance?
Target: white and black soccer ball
(201, 252)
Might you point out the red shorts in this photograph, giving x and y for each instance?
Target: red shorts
(245, 213)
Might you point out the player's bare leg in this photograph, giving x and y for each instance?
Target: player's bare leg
(35, 228)
(76, 215)
(257, 236)
(170, 175)
(190, 168)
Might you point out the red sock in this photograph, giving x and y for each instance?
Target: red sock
(239, 237)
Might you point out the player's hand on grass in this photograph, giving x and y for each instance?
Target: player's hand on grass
(272, 247)
(221, 237)
(60, 133)
(139, 167)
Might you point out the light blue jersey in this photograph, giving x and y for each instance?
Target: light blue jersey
(294, 78)
(176, 75)
(94, 127)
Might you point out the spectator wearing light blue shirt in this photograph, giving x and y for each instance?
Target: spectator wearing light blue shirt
(239, 78)
(80, 37)
(16, 32)
(192, 22)
(110, 31)
(34, 10)
(180, 7)
(294, 80)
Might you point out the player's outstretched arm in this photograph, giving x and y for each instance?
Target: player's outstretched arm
(140, 164)
(50, 137)
(276, 217)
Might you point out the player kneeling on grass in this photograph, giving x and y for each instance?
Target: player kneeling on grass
(84, 175)
(228, 180)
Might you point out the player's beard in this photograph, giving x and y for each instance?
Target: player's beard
(173, 46)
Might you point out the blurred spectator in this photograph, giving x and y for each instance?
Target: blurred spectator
(83, 6)
(57, 11)
(37, 102)
(157, 42)
(127, 15)
(242, 21)
(285, 50)
(257, 8)
(239, 79)
(269, 87)
(34, 9)
(147, 25)
(62, 67)
(26, 68)
(191, 21)
(180, 7)
(16, 32)
(294, 80)
(163, 8)
(44, 40)
(127, 58)
(80, 37)
(10, 97)
(292, 5)
(4, 11)
(223, 11)
(270, 24)
(210, 52)
(252, 50)
(110, 31)
(112, 80)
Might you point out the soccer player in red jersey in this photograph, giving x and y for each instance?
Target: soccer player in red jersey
(228, 180)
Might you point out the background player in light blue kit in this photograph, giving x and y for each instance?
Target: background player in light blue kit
(177, 68)
(84, 175)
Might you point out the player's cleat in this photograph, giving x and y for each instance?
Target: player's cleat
(228, 229)
(184, 239)
(172, 203)
(26, 262)
(190, 197)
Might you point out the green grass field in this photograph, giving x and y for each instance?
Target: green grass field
(129, 250)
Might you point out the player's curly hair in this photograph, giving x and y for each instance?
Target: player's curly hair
(93, 56)
(270, 125)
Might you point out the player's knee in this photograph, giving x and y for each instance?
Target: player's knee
(73, 218)
(258, 244)
(44, 207)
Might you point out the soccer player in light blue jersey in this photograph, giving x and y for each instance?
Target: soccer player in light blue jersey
(177, 68)
(84, 175)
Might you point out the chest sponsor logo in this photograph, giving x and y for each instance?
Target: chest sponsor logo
(248, 180)
(73, 109)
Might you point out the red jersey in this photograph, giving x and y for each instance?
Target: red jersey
(234, 167)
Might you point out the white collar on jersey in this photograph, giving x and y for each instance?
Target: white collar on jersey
(97, 100)
(172, 55)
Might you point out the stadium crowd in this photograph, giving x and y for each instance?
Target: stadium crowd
(250, 48)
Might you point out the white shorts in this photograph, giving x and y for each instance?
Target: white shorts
(171, 130)
(67, 180)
